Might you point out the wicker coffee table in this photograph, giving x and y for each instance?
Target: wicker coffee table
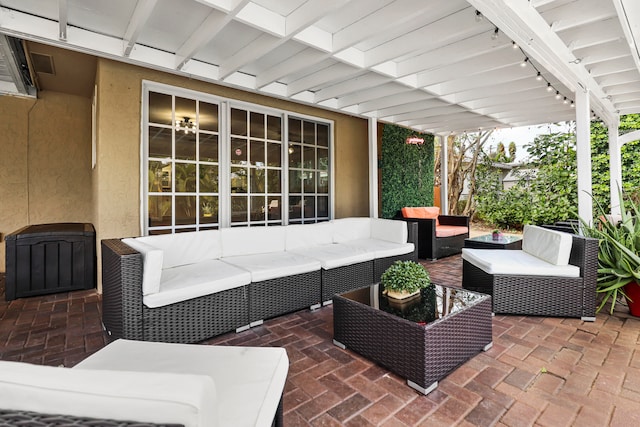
(422, 339)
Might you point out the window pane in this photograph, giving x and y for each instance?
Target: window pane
(257, 125)
(238, 151)
(309, 207)
(208, 117)
(185, 210)
(208, 147)
(309, 158)
(159, 210)
(185, 146)
(257, 153)
(185, 109)
(323, 206)
(159, 177)
(238, 209)
(323, 135)
(160, 108)
(274, 128)
(309, 182)
(208, 179)
(258, 180)
(274, 155)
(159, 142)
(295, 156)
(323, 182)
(323, 159)
(295, 181)
(258, 208)
(274, 208)
(274, 182)
(295, 207)
(208, 209)
(238, 122)
(295, 130)
(309, 136)
(185, 177)
(239, 180)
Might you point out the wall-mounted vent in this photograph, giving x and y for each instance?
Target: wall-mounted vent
(42, 63)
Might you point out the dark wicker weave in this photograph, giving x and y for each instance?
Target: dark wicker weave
(194, 320)
(423, 354)
(346, 278)
(432, 247)
(275, 297)
(543, 295)
(33, 419)
(381, 264)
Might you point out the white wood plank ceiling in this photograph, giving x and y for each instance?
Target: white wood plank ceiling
(437, 66)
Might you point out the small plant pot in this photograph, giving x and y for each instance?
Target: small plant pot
(496, 236)
(401, 295)
(632, 290)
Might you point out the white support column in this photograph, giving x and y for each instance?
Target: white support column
(583, 154)
(444, 174)
(615, 166)
(373, 168)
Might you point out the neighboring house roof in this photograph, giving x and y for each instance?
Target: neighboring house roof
(516, 174)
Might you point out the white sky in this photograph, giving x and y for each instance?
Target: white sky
(522, 136)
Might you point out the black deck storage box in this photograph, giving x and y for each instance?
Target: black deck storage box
(48, 258)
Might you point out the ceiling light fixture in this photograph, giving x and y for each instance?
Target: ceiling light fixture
(524, 62)
(565, 101)
(494, 36)
(514, 45)
(185, 125)
(549, 87)
(558, 95)
(539, 76)
(478, 16)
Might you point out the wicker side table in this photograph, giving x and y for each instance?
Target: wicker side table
(422, 340)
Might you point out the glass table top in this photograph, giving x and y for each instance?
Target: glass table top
(433, 302)
(504, 238)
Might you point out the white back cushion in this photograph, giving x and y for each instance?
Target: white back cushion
(252, 240)
(346, 229)
(389, 230)
(151, 265)
(155, 397)
(308, 235)
(186, 248)
(549, 245)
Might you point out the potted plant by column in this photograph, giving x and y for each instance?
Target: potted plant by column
(618, 255)
(404, 279)
(496, 234)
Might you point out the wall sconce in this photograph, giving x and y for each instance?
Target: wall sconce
(186, 125)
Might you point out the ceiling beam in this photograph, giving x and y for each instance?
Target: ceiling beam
(525, 26)
(138, 19)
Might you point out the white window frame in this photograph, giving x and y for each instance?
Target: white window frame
(224, 143)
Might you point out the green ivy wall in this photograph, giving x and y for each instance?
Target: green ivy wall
(407, 170)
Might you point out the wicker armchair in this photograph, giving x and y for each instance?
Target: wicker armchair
(542, 295)
(432, 247)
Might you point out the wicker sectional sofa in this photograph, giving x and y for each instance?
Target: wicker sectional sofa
(188, 287)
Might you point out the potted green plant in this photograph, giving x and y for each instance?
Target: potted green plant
(496, 234)
(618, 254)
(404, 279)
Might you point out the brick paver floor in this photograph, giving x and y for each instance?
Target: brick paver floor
(540, 371)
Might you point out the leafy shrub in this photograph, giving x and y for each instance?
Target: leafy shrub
(406, 276)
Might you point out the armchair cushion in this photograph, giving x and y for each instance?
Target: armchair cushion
(185, 248)
(423, 212)
(516, 263)
(549, 245)
(450, 230)
(151, 265)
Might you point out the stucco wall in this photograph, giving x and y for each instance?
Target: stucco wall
(117, 177)
(45, 161)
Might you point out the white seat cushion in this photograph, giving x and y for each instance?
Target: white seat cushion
(390, 230)
(381, 248)
(152, 397)
(346, 229)
(306, 235)
(273, 265)
(549, 245)
(512, 263)
(336, 255)
(151, 265)
(196, 280)
(249, 380)
(186, 248)
(252, 240)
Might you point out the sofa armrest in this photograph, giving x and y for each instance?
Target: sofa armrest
(412, 237)
(121, 290)
(458, 220)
